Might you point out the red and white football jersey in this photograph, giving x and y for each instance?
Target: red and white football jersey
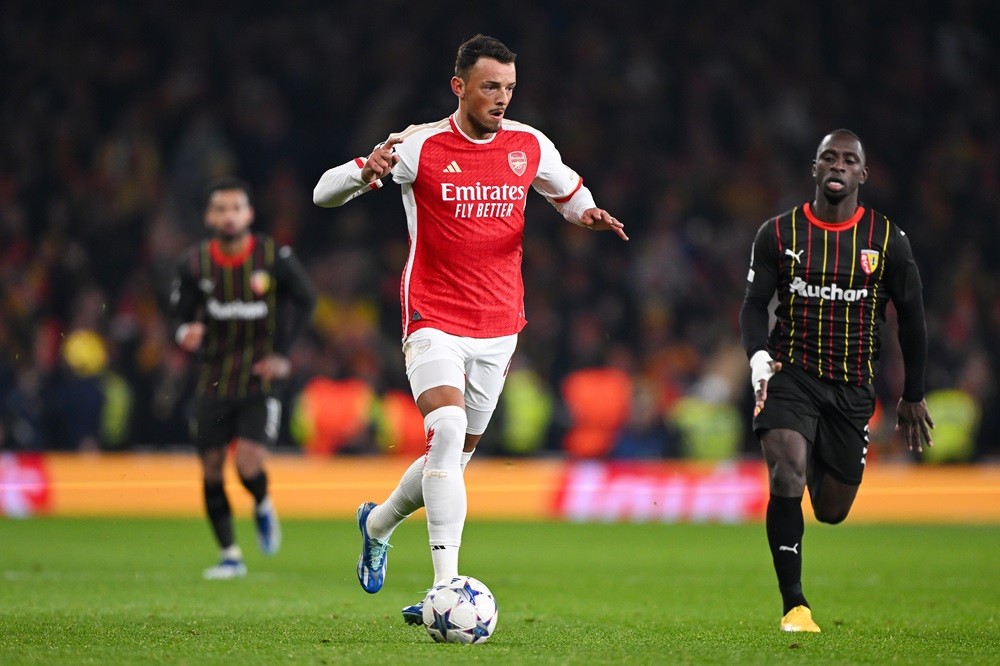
(464, 201)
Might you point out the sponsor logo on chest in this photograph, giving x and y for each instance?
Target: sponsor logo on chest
(829, 292)
(488, 193)
(483, 199)
(239, 310)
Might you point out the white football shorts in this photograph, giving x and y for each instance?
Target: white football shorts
(475, 366)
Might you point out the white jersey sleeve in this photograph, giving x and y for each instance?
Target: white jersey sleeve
(560, 185)
(341, 184)
(405, 170)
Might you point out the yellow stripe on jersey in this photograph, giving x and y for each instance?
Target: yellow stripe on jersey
(847, 305)
(227, 363)
(875, 288)
(205, 261)
(819, 330)
(248, 330)
(272, 305)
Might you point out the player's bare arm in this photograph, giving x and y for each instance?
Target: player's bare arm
(598, 219)
(914, 422)
(380, 163)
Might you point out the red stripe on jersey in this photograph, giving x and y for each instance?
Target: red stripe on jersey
(569, 196)
(360, 162)
(861, 318)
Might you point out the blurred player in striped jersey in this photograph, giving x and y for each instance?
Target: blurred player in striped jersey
(834, 265)
(464, 181)
(239, 302)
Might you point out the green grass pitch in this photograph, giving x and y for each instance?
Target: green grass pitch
(122, 591)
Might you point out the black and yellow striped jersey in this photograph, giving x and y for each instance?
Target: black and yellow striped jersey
(243, 300)
(832, 283)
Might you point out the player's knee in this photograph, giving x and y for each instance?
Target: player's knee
(211, 468)
(447, 424)
(787, 479)
(830, 515)
(445, 428)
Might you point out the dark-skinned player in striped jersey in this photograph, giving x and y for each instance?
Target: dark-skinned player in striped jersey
(834, 264)
(239, 301)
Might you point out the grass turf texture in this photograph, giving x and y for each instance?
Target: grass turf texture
(130, 591)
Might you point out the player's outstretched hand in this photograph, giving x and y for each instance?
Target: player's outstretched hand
(271, 367)
(599, 219)
(915, 423)
(381, 161)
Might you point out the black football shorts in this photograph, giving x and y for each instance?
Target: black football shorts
(218, 421)
(832, 416)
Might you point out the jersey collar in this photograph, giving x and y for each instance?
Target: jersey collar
(231, 260)
(458, 130)
(833, 226)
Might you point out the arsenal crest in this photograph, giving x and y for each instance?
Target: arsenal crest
(518, 162)
(260, 282)
(869, 261)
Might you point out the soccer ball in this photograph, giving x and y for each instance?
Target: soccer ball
(462, 610)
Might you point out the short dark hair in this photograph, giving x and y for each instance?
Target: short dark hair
(481, 46)
(849, 133)
(226, 183)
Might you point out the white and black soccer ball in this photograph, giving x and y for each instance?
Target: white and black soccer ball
(463, 610)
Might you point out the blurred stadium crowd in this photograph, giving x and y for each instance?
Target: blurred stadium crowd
(691, 122)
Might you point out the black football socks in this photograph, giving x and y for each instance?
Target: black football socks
(785, 527)
(257, 486)
(219, 513)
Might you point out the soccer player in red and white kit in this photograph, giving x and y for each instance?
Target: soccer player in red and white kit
(464, 183)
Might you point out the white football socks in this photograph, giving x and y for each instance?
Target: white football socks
(444, 487)
(407, 497)
(404, 500)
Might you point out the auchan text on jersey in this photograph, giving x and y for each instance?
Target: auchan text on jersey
(829, 292)
(245, 310)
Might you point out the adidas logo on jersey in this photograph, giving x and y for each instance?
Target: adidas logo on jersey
(453, 168)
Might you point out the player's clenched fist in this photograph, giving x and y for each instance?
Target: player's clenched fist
(381, 161)
(190, 335)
